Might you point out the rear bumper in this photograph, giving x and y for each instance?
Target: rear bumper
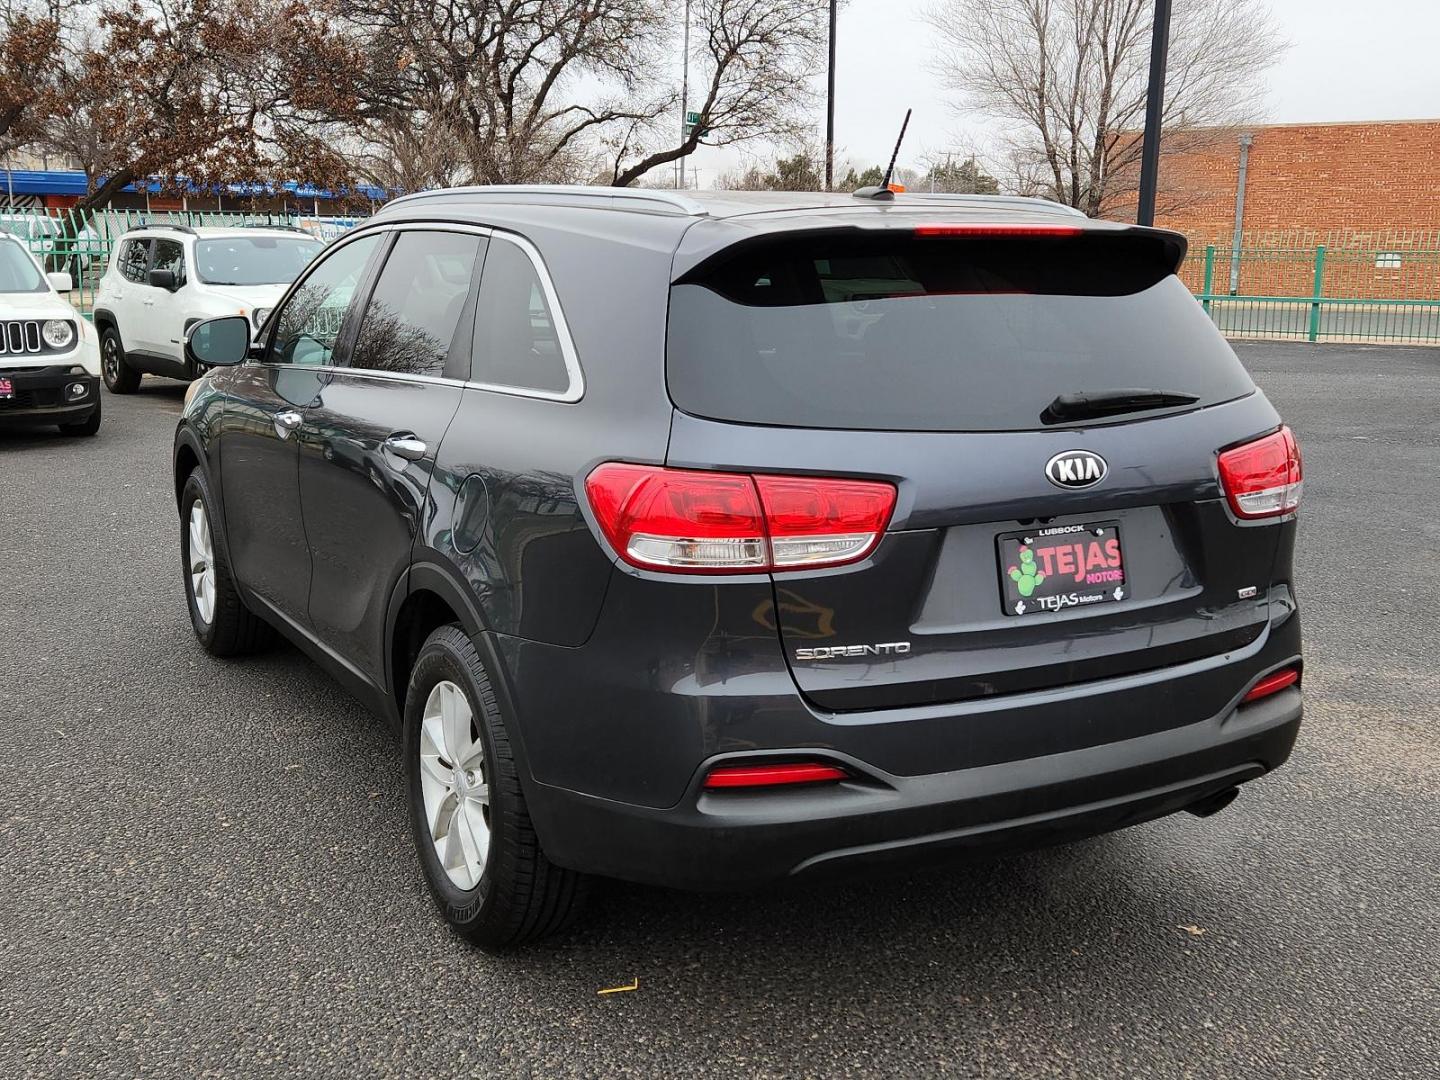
(41, 395)
(738, 840)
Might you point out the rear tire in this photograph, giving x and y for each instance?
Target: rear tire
(120, 377)
(89, 426)
(222, 622)
(512, 894)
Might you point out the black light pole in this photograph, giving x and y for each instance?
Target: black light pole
(830, 107)
(1154, 104)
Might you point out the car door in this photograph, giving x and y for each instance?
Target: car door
(258, 444)
(163, 314)
(126, 292)
(371, 435)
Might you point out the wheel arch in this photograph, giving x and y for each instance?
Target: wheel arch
(105, 320)
(426, 596)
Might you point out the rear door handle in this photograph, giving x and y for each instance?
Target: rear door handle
(286, 422)
(406, 446)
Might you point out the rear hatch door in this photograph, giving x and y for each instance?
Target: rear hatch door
(1053, 524)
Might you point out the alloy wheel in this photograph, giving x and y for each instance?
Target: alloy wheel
(454, 785)
(111, 359)
(202, 562)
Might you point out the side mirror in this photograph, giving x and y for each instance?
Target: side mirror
(222, 342)
(163, 279)
(61, 281)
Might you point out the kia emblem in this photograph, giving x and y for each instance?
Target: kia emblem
(1076, 469)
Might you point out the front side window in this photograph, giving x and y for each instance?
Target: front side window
(517, 342)
(308, 326)
(18, 272)
(135, 260)
(170, 255)
(254, 260)
(410, 321)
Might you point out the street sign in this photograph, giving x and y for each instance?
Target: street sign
(692, 118)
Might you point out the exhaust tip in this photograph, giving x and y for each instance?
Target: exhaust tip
(1213, 804)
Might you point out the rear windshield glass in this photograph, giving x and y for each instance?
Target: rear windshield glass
(254, 260)
(936, 333)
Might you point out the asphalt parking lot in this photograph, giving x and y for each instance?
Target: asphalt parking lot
(205, 867)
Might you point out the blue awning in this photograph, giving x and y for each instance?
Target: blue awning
(69, 182)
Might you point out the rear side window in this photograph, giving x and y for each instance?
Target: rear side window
(944, 333)
(416, 306)
(519, 343)
(135, 260)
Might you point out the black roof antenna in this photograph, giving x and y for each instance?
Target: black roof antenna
(883, 192)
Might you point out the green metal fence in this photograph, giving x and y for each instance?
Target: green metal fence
(80, 244)
(1349, 286)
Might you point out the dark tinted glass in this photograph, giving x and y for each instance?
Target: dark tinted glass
(936, 334)
(135, 260)
(170, 255)
(516, 342)
(411, 318)
(308, 326)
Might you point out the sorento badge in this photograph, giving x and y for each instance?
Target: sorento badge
(1076, 469)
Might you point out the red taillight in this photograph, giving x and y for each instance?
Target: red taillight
(687, 521)
(984, 231)
(1272, 684)
(750, 776)
(1263, 478)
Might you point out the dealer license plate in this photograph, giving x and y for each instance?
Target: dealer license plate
(1059, 567)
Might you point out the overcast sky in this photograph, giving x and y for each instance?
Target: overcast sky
(1349, 60)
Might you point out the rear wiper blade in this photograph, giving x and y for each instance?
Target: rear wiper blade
(1089, 404)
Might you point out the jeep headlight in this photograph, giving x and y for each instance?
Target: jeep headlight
(58, 333)
(260, 314)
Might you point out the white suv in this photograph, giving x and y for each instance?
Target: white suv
(49, 355)
(162, 279)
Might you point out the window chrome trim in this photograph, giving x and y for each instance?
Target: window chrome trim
(575, 389)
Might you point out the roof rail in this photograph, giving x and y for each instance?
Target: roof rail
(161, 225)
(1022, 201)
(571, 194)
(261, 225)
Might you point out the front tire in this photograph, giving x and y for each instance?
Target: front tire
(477, 846)
(120, 377)
(89, 426)
(223, 624)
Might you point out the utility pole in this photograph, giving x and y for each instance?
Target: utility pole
(830, 106)
(1154, 105)
(684, 96)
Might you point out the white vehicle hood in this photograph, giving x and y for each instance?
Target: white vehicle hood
(249, 297)
(39, 305)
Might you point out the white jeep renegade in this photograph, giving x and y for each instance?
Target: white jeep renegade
(49, 357)
(162, 279)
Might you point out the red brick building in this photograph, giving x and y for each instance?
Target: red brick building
(1368, 180)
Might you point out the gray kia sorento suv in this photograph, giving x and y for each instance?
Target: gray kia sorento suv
(712, 540)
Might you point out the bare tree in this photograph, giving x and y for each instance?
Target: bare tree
(756, 60)
(29, 54)
(1068, 77)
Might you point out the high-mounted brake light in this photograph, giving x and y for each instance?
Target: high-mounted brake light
(753, 776)
(1272, 684)
(982, 231)
(694, 522)
(1263, 478)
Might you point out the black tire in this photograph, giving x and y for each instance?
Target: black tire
(89, 426)
(521, 896)
(120, 377)
(232, 630)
